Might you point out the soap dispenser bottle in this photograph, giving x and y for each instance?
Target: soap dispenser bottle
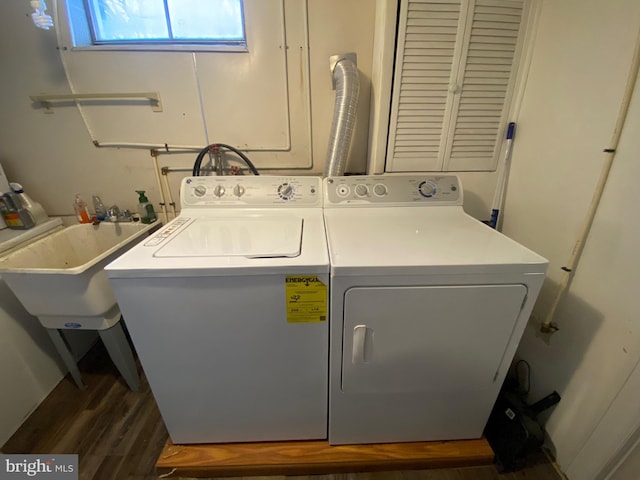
(145, 209)
(81, 209)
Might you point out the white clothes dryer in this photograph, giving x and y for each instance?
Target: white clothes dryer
(427, 308)
(227, 309)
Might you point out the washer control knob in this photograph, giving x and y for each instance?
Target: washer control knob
(427, 189)
(286, 191)
(380, 189)
(238, 190)
(362, 190)
(200, 191)
(218, 191)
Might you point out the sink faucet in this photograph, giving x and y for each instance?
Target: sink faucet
(114, 214)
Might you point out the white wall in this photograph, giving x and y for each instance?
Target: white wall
(580, 63)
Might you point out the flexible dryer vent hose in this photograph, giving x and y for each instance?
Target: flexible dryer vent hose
(347, 85)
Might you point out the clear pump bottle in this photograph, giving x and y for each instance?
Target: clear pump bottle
(98, 207)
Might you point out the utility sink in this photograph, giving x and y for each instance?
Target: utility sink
(61, 279)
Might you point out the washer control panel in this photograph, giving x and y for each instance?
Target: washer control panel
(376, 190)
(167, 231)
(251, 191)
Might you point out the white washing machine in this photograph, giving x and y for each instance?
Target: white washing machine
(227, 309)
(427, 308)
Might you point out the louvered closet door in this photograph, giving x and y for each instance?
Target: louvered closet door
(427, 40)
(453, 82)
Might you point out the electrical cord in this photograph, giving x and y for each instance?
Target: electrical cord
(214, 148)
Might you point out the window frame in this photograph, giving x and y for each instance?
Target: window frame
(83, 36)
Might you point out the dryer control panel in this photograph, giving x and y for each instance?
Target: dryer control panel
(381, 190)
(251, 191)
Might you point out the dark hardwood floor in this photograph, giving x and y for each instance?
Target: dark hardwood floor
(119, 434)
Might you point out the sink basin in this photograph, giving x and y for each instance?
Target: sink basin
(61, 280)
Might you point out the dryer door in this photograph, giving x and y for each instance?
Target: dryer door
(426, 338)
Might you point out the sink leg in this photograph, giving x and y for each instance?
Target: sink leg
(117, 345)
(67, 358)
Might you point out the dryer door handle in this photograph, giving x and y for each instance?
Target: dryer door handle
(362, 344)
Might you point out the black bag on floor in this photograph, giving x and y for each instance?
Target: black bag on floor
(513, 430)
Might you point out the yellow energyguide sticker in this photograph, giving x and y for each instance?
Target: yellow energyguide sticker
(306, 299)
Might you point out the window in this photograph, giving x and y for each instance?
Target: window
(456, 67)
(158, 24)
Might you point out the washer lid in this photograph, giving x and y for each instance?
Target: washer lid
(249, 236)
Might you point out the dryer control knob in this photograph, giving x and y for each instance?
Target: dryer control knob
(427, 189)
(343, 190)
(380, 189)
(362, 190)
(200, 191)
(238, 190)
(286, 191)
(218, 191)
